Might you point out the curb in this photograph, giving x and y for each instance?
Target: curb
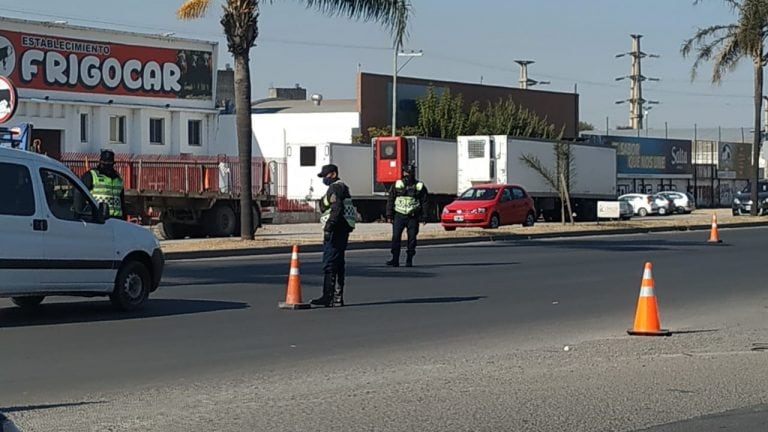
(384, 244)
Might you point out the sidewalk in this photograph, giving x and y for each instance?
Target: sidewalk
(274, 238)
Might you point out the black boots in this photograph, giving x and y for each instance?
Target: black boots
(395, 261)
(338, 292)
(328, 290)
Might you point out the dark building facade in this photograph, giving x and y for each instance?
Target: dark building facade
(375, 100)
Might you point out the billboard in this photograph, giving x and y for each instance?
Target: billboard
(650, 157)
(734, 160)
(45, 62)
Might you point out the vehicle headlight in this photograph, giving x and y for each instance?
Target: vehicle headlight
(736, 201)
(481, 210)
(445, 210)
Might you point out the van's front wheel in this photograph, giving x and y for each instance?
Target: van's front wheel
(131, 286)
(27, 302)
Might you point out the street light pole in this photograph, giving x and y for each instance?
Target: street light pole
(395, 54)
(394, 88)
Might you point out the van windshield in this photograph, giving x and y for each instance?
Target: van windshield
(479, 194)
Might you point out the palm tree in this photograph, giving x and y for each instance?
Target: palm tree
(240, 22)
(726, 45)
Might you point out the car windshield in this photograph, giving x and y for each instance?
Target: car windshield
(479, 194)
(762, 187)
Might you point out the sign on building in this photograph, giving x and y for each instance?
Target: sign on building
(68, 64)
(649, 157)
(734, 160)
(9, 99)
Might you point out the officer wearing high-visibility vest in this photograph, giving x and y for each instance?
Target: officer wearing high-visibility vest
(406, 207)
(338, 220)
(106, 185)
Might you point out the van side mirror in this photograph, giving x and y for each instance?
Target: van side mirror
(103, 213)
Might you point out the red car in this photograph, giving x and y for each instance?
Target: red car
(490, 206)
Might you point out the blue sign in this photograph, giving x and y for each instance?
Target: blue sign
(655, 157)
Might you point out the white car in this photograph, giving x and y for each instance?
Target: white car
(57, 241)
(642, 203)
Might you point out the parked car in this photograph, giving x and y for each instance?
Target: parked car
(57, 241)
(663, 204)
(684, 202)
(642, 204)
(490, 206)
(742, 201)
(626, 211)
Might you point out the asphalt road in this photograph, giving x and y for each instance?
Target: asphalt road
(471, 339)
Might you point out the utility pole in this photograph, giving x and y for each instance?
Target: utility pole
(636, 78)
(524, 80)
(395, 54)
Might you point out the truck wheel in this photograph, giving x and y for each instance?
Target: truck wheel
(220, 221)
(529, 220)
(132, 286)
(29, 302)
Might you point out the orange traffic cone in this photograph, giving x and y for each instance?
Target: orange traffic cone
(714, 237)
(293, 293)
(647, 321)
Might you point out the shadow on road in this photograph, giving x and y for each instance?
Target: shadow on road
(96, 311)
(427, 300)
(24, 408)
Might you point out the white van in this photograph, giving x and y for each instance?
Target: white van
(55, 240)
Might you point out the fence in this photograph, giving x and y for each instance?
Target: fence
(194, 175)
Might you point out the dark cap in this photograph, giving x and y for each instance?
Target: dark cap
(107, 156)
(409, 170)
(327, 169)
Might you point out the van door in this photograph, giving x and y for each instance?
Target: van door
(80, 253)
(22, 229)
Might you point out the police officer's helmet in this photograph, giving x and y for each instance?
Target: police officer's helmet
(107, 157)
(409, 171)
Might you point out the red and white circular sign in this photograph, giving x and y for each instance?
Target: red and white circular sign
(9, 99)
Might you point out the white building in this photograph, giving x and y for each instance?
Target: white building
(278, 123)
(85, 89)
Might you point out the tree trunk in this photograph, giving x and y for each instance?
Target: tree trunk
(244, 147)
(757, 136)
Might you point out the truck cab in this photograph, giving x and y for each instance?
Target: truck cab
(58, 242)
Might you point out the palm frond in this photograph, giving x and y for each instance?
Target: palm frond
(193, 9)
(533, 162)
(727, 59)
(393, 14)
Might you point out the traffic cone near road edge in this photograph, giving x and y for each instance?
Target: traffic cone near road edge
(647, 322)
(714, 237)
(293, 293)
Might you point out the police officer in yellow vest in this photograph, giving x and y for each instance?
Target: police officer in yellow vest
(338, 220)
(406, 207)
(106, 185)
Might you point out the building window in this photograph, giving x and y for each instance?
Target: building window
(194, 132)
(117, 129)
(83, 128)
(156, 130)
(307, 156)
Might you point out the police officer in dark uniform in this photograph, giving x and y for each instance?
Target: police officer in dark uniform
(406, 207)
(338, 220)
(106, 185)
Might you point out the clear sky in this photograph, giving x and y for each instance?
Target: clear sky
(572, 42)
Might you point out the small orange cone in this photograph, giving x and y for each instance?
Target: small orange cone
(647, 322)
(293, 293)
(714, 237)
